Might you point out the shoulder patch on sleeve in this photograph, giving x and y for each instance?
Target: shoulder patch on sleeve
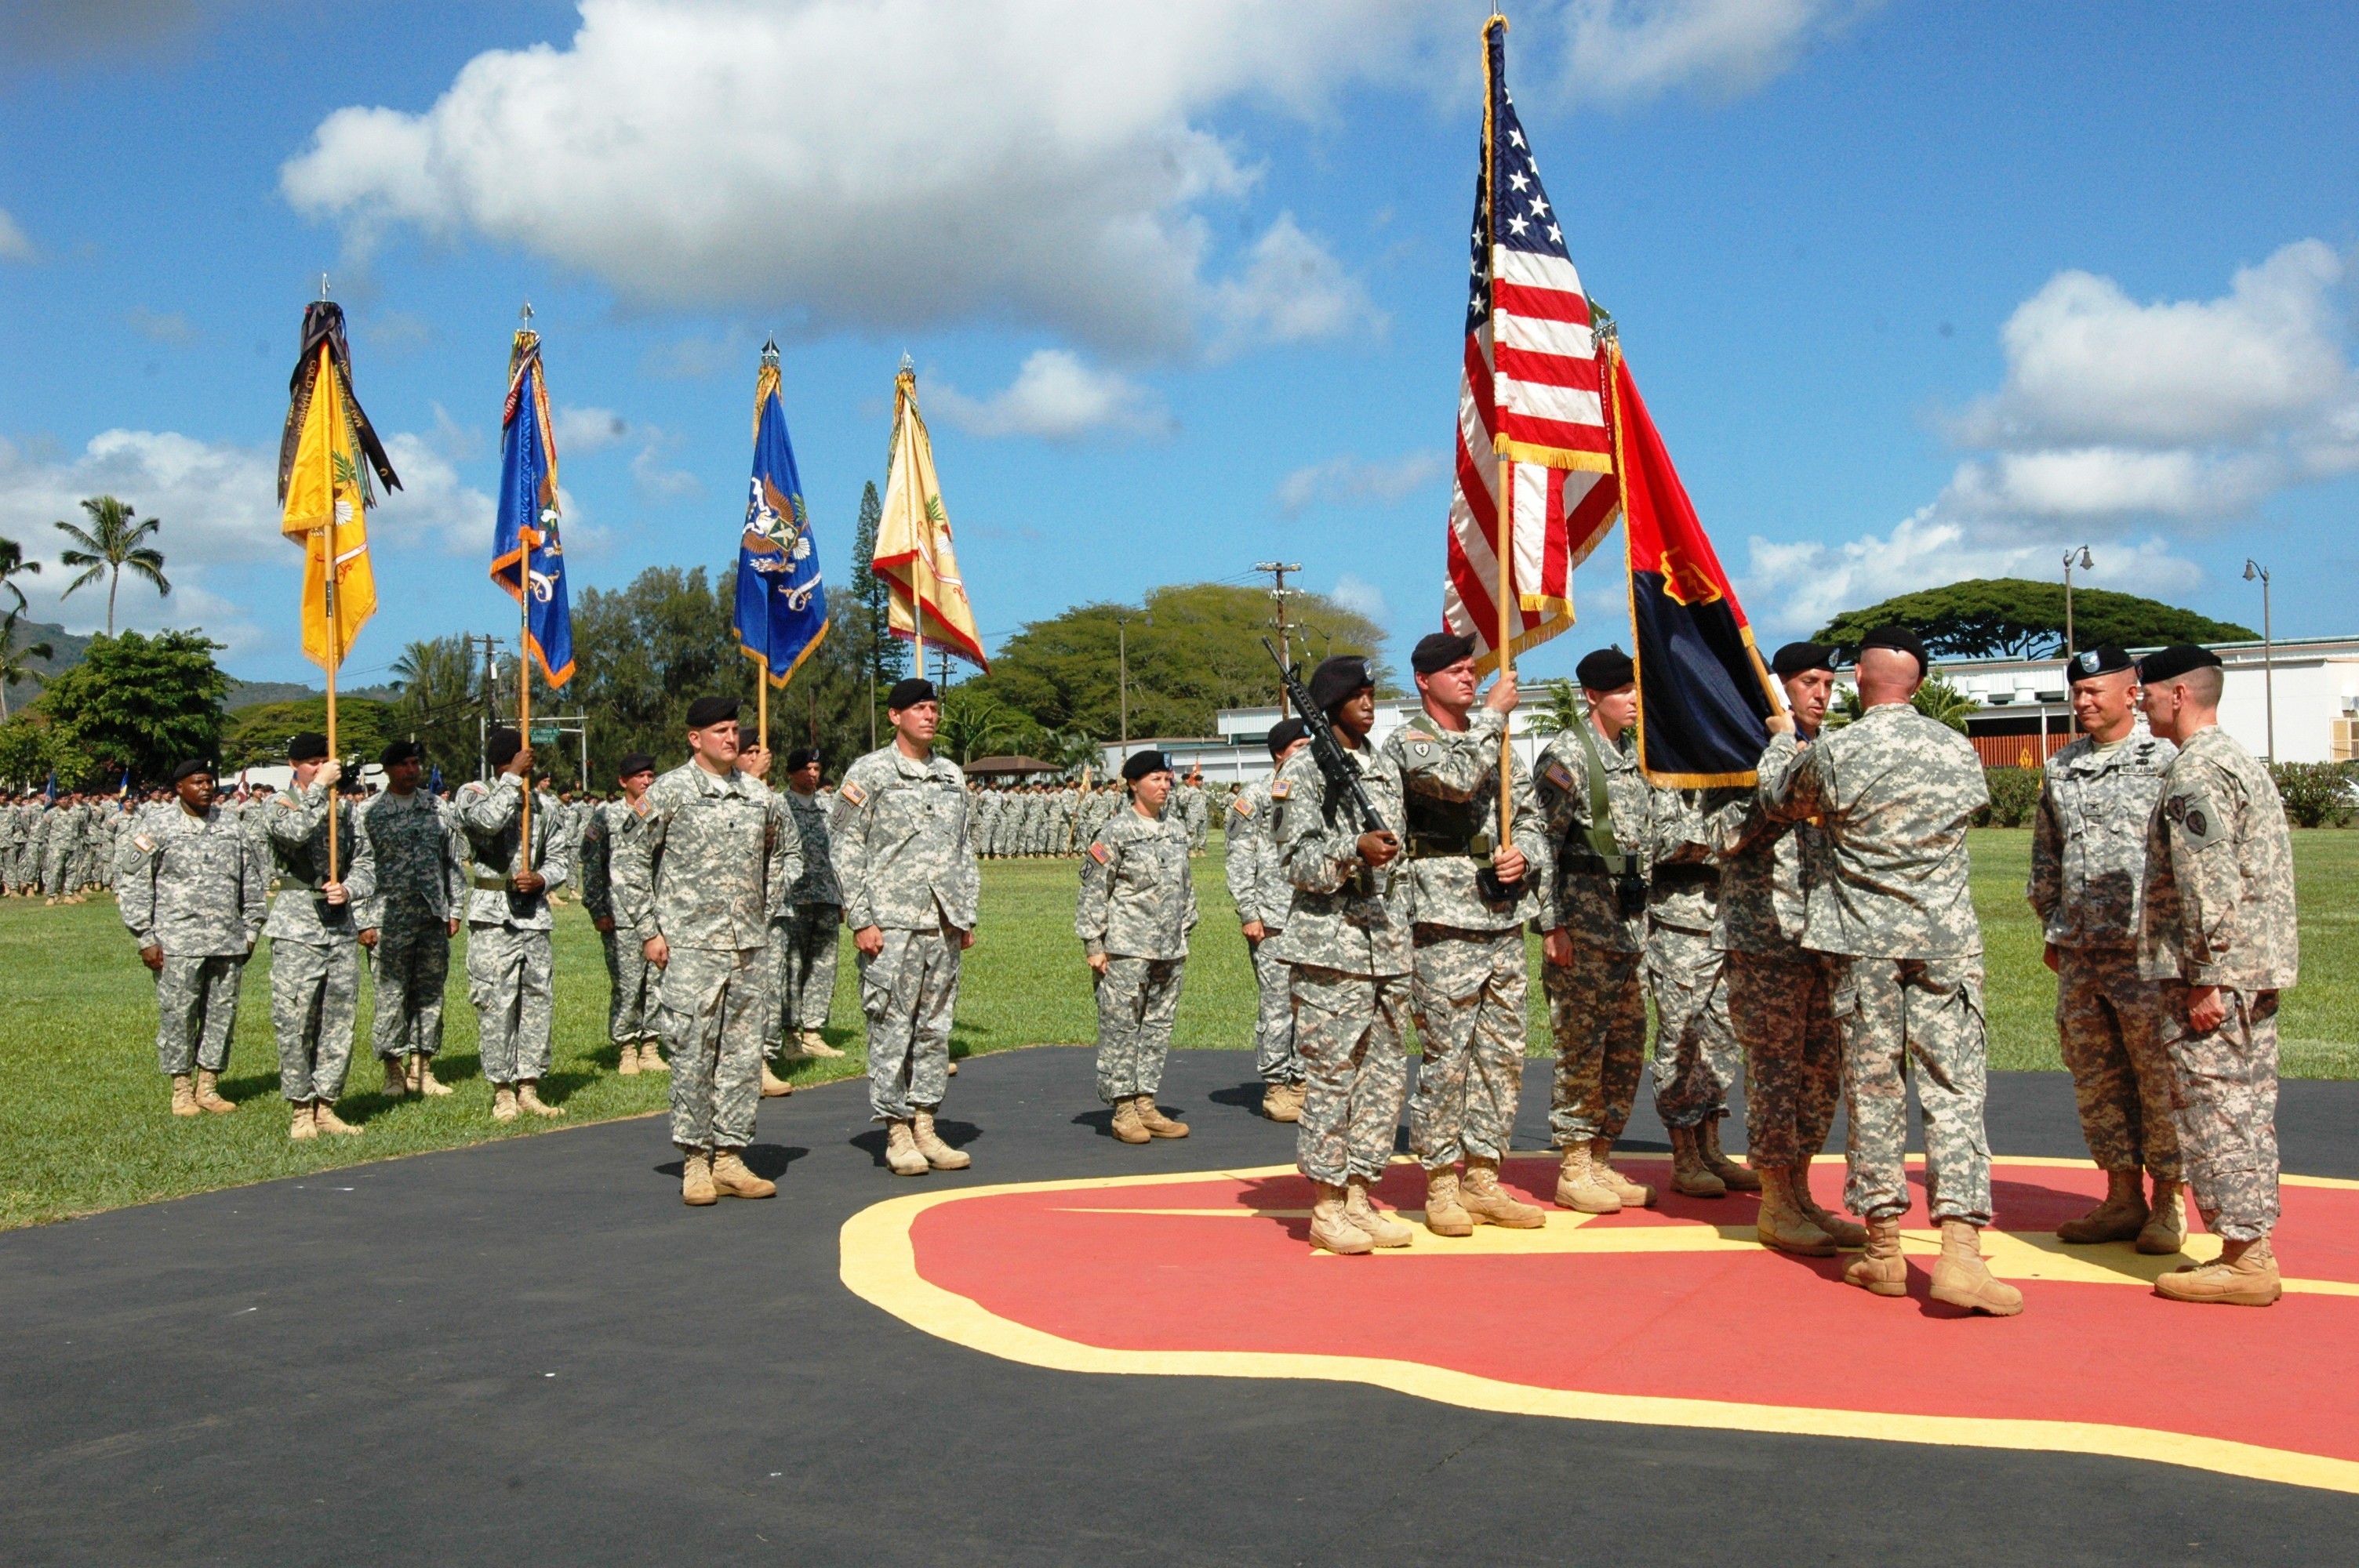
(1098, 852)
(1558, 775)
(852, 792)
(1241, 806)
(147, 845)
(2197, 819)
(1283, 789)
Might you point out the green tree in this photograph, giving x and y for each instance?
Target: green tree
(1563, 712)
(1937, 698)
(139, 702)
(867, 619)
(26, 756)
(110, 546)
(440, 702)
(1989, 618)
(257, 735)
(16, 662)
(977, 724)
(13, 565)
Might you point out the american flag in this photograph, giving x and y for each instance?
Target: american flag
(1530, 393)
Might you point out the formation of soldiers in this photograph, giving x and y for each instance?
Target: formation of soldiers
(1036, 821)
(61, 851)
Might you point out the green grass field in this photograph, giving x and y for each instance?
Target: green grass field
(84, 1123)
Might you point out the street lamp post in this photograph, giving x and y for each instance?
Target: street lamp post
(2253, 573)
(2072, 557)
(1122, 678)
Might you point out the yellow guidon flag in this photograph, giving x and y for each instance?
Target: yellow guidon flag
(323, 487)
(914, 554)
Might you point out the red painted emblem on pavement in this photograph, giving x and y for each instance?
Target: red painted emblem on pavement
(1675, 1316)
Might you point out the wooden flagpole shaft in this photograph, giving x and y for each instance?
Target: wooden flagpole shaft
(1506, 649)
(523, 692)
(335, 657)
(762, 704)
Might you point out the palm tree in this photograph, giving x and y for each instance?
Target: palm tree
(16, 663)
(1937, 699)
(14, 565)
(1563, 712)
(110, 546)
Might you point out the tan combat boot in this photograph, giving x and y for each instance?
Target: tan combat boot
(1848, 1233)
(1282, 1102)
(528, 1099)
(1736, 1178)
(324, 1116)
(1633, 1194)
(2165, 1226)
(504, 1103)
(732, 1178)
(2119, 1219)
(2244, 1274)
(773, 1086)
(1880, 1271)
(302, 1126)
(427, 1084)
(626, 1059)
(397, 1079)
(1443, 1217)
(184, 1097)
(1691, 1177)
(1962, 1279)
(1125, 1122)
(209, 1095)
(814, 1043)
(940, 1155)
(902, 1155)
(1490, 1203)
(1151, 1117)
(1576, 1186)
(650, 1059)
(1331, 1230)
(696, 1188)
(1784, 1226)
(1380, 1228)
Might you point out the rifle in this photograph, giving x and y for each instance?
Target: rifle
(1342, 778)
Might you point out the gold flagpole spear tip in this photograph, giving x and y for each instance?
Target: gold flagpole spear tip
(770, 351)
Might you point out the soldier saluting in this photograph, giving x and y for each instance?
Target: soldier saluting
(1137, 905)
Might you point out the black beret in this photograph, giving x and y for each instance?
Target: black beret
(500, 746)
(909, 693)
(1339, 679)
(401, 752)
(1901, 637)
(1285, 733)
(634, 762)
(308, 747)
(191, 768)
(2100, 661)
(1795, 657)
(1439, 651)
(801, 757)
(1142, 763)
(1607, 669)
(2169, 663)
(707, 711)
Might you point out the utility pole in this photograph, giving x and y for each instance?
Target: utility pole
(491, 700)
(2082, 556)
(1280, 593)
(2255, 572)
(1122, 665)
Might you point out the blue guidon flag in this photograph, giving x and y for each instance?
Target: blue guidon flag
(1703, 693)
(781, 603)
(527, 557)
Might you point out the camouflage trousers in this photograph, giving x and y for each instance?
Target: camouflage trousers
(1696, 1058)
(714, 1006)
(907, 991)
(1468, 993)
(631, 984)
(2224, 1094)
(411, 964)
(196, 1012)
(53, 872)
(802, 948)
(1349, 1030)
(510, 979)
(1274, 1053)
(1793, 1054)
(1137, 1000)
(315, 997)
(1597, 1011)
(2109, 1021)
(1920, 1018)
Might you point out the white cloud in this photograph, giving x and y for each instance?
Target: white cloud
(433, 503)
(171, 327)
(1637, 49)
(1359, 596)
(580, 431)
(13, 245)
(657, 484)
(1340, 481)
(1290, 290)
(1054, 397)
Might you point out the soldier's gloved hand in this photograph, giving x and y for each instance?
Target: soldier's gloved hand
(605, 923)
(2206, 1008)
(334, 892)
(1256, 931)
(869, 939)
(1556, 946)
(1378, 849)
(153, 956)
(1097, 962)
(1781, 723)
(368, 937)
(1503, 698)
(657, 951)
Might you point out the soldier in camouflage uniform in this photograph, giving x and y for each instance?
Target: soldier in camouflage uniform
(1137, 905)
(1696, 1057)
(1593, 923)
(806, 938)
(1195, 814)
(1778, 996)
(985, 802)
(315, 963)
(1258, 888)
(1894, 792)
(511, 959)
(697, 887)
(421, 886)
(2088, 862)
(631, 981)
(2216, 930)
(1348, 938)
(906, 864)
(1468, 988)
(193, 892)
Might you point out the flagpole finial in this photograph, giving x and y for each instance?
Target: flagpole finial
(908, 364)
(324, 286)
(525, 314)
(770, 351)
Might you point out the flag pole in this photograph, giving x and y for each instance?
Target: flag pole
(762, 701)
(328, 589)
(524, 689)
(1505, 510)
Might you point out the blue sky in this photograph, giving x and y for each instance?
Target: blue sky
(1915, 292)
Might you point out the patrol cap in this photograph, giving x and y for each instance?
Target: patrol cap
(1142, 763)
(1285, 733)
(2169, 663)
(1607, 669)
(191, 768)
(1438, 651)
(401, 752)
(910, 692)
(634, 762)
(2092, 661)
(1339, 679)
(500, 746)
(801, 757)
(1901, 637)
(707, 711)
(1795, 657)
(311, 746)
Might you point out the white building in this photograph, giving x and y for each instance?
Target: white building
(1240, 752)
